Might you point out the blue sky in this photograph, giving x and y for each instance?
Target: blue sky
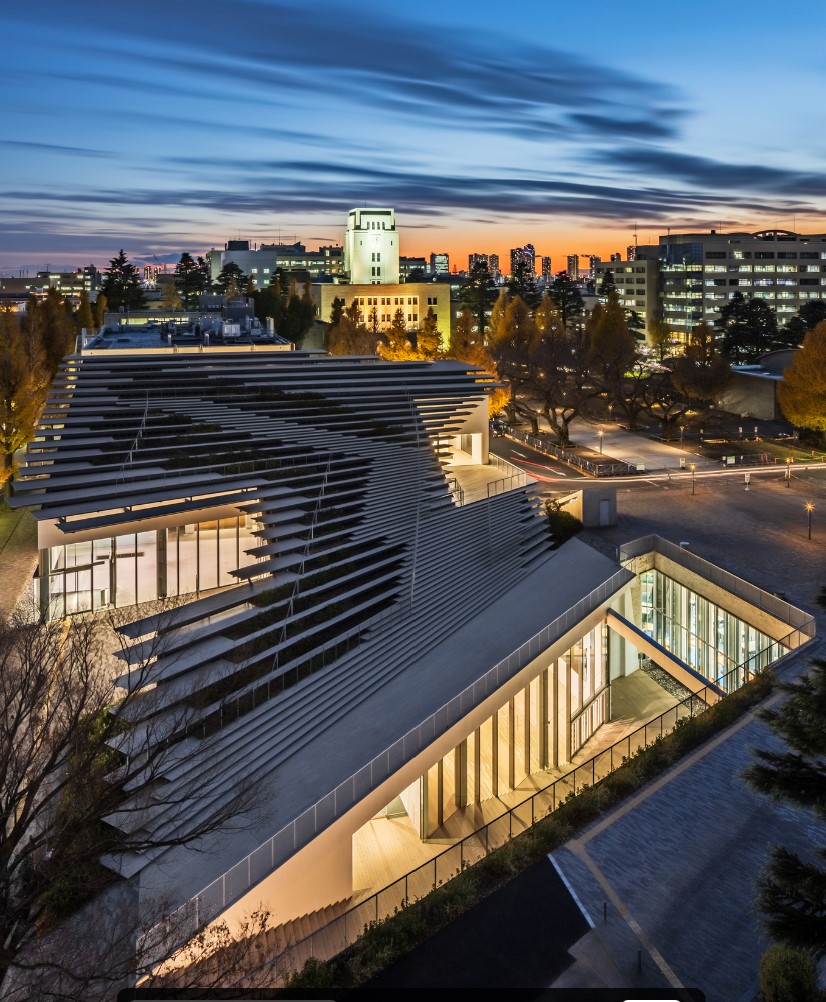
(485, 125)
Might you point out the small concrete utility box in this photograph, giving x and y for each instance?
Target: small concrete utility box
(595, 507)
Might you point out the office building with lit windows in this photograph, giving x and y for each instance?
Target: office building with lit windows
(700, 272)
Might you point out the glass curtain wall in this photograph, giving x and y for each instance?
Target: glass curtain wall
(712, 641)
(542, 726)
(140, 567)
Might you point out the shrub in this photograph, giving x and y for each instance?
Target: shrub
(788, 974)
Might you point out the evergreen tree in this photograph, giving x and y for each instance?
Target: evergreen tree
(231, 281)
(808, 317)
(607, 284)
(190, 279)
(791, 891)
(122, 284)
(478, 294)
(101, 306)
(748, 329)
(336, 310)
(523, 284)
(429, 338)
(565, 293)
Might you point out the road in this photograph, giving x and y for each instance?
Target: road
(535, 464)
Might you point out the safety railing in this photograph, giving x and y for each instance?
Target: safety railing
(345, 929)
(544, 445)
(760, 599)
(212, 900)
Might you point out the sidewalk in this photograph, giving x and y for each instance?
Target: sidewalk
(671, 872)
(635, 449)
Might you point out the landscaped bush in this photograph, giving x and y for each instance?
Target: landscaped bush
(788, 974)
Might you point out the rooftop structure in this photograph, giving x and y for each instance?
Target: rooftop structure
(370, 620)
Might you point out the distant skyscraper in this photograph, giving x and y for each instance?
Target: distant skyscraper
(546, 270)
(631, 252)
(493, 265)
(616, 257)
(573, 266)
(439, 264)
(473, 259)
(593, 261)
(525, 255)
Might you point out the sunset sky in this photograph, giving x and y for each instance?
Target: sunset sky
(176, 127)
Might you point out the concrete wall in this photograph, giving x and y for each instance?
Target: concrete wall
(752, 395)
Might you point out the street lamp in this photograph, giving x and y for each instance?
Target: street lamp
(693, 467)
(809, 509)
(600, 433)
(610, 412)
(788, 471)
(682, 429)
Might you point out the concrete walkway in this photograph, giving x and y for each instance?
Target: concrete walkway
(633, 448)
(18, 557)
(674, 870)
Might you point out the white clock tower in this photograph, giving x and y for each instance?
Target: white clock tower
(371, 247)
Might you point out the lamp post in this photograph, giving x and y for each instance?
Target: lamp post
(788, 471)
(610, 412)
(600, 433)
(693, 467)
(809, 509)
(682, 429)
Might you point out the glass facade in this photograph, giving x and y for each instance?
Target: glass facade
(718, 645)
(541, 727)
(141, 566)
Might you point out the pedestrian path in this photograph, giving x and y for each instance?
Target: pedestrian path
(671, 872)
(18, 557)
(634, 448)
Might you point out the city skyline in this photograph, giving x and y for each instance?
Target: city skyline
(262, 121)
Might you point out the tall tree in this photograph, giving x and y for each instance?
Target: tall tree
(607, 284)
(808, 317)
(24, 383)
(190, 279)
(523, 284)
(101, 306)
(612, 346)
(559, 360)
(802, 391)
(85, 319)
(63, 783)
(429, 338)
(748, 329)
(122, 285)
(171, 297)
(466, 345)
(791, 891)
(231, 281)
(511, 338)
(565, 293)
(478, 294)
(660, 339)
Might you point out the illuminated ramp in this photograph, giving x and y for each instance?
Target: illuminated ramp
(676, 668)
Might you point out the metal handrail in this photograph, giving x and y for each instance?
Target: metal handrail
(232, 884)
(547, 448)
(760, 599)
(695, 703)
